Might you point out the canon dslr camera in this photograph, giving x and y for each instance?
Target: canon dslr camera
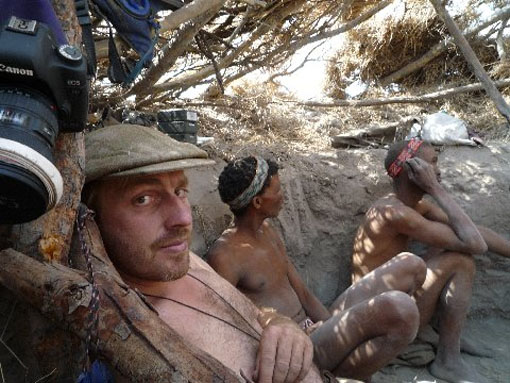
(43, 90)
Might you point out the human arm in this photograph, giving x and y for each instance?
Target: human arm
(285, 352)
(469, 239)
(315, 310)
(495, 242)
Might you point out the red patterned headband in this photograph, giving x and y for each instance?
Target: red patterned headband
(408, 152)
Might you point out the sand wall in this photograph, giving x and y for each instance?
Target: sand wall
(326, 195)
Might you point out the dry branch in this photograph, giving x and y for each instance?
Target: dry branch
(407, 100)
(130, 332)
(439, 48)
(373, 135)
(300, 43)
(170, 53)
(273, 20)
(500, 44)
(471, 58)
(258, 3)
(189, 12)
(188, 80)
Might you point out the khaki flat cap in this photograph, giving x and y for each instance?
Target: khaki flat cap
(130, 150)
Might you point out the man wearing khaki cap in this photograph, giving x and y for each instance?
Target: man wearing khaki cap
(136, 184)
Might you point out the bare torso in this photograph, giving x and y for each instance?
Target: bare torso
(258, 266)
(376, 242)
(227, 328)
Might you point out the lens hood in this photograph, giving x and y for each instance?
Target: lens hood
(30, 183)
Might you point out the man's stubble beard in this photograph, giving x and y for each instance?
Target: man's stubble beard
(125, 256)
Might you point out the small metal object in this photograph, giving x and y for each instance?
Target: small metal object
(21, 25)
(70, 52)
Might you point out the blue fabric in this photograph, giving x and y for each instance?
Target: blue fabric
(140, 8)
(98, 373)
(39, 10)
(137, 31)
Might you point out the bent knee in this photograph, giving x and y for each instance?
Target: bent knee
(413, 266)
(458, 262)
(400, 314)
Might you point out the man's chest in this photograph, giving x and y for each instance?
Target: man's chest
(263, 267)
(212, 323)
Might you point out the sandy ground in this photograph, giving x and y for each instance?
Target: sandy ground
(489, 330)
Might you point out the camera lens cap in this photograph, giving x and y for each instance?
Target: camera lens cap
(70, 52)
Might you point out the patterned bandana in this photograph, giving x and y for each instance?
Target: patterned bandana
(408, 152)
(251, 191)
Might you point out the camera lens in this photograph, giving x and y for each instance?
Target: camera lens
(30, 184)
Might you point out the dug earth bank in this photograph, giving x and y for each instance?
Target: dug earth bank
(326, 196)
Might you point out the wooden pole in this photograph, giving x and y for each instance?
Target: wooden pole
(472, 60)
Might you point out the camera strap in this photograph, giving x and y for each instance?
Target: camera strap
(82, 12)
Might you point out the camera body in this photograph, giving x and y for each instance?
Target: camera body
(43, 91)
(30, 57)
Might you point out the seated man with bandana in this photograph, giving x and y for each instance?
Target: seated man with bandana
(366, 327)
(451, 239)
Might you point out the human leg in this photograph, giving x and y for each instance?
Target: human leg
(447, 289)
(428, 334)
(358, 341)
(405, 272)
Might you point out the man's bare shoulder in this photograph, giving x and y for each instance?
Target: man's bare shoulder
(228, 248)
(385, 206)
(228, 239)
(389, 210)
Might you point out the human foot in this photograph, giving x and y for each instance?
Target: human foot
(429, 335)
(459, 372)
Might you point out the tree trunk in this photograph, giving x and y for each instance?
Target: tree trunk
(473, 61)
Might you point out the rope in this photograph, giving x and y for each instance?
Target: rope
(91, 340)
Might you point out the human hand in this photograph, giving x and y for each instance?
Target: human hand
(422, 174)
(313, 327)
(285, 352)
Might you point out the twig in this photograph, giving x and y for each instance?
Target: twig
(14, 354)
(272, 22)
(8, 319)
(304, 61)
(204, 48)
(45, 376)
(244, 20)
(2, 372)
(500, 45)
